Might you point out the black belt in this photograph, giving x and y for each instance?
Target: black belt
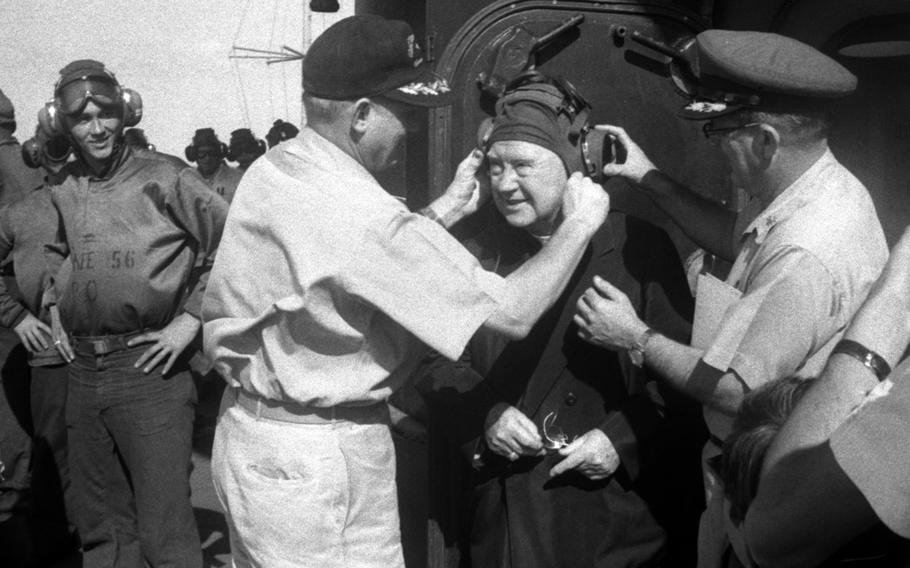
(103, 344)
(377, 413)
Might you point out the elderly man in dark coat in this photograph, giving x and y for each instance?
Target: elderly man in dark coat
(566, 439)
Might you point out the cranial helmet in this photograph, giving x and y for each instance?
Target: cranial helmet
(205, 137)
(243, 141)
(549, 112)
(82, 81)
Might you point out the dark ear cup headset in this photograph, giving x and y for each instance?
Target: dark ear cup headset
(280, 132)
(234, 150)
(37, 151)
(191, 151)
(50, 116)
(32, 151)
(595, 147)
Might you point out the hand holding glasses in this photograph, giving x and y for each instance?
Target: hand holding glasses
(554, 437)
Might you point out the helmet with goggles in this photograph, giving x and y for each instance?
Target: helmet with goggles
(85, 81)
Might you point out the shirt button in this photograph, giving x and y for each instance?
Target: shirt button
(571, 399)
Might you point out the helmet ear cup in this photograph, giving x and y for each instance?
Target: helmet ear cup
(38, 151)
(262, 146)
(57, 150)
(190, 153)
(132, 107)
(32, 149)
(49, 121)
(598, 149)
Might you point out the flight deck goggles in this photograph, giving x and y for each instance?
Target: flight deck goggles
(74, 95)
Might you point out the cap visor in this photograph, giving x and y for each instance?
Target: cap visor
(427, 90)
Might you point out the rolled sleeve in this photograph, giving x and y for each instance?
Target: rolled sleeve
(789, 312)
(871, 448)
(416, 273)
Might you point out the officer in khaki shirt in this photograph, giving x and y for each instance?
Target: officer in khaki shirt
(805, 249)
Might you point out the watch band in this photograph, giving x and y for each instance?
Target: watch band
(866, 356)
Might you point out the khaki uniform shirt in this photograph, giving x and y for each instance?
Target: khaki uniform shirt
(805, 265)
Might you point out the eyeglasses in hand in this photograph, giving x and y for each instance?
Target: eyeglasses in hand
(554, 437)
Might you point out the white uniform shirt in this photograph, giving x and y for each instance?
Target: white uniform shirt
(324, 283)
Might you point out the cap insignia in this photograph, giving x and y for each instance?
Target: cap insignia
(706, 106)
(437, 87)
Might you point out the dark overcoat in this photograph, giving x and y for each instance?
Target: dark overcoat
(513, 514)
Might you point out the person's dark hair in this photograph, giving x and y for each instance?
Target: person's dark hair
(795, 128)
(761, 416)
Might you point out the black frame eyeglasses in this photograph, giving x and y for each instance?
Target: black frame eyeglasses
(710, 131)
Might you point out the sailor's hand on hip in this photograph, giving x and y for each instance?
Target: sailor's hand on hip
(34, 333)
(167, 343)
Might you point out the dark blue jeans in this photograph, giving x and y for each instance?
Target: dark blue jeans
(130, 438)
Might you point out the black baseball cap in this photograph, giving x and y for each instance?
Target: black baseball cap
(366, 56)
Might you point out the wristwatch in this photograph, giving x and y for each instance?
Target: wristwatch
(864, 355)
(637, 353)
